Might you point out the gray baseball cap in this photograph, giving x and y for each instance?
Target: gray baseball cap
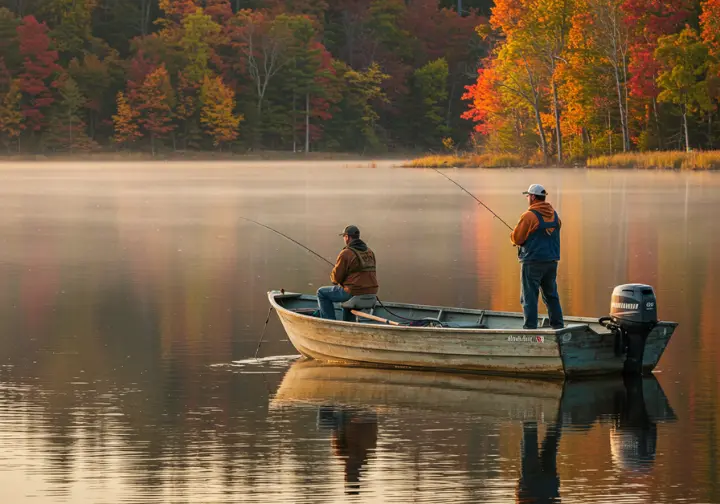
(350, 231)
(536, 190)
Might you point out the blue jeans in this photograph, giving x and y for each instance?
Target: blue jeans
(329, 295)
(540, 276)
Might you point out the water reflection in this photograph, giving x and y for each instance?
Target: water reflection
(353, 402)
(354, 438)
(122, 286)
(539, 481)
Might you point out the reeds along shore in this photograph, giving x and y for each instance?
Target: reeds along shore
(661, 160)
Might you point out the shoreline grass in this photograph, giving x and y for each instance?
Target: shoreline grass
(466, 161)
(661, 160)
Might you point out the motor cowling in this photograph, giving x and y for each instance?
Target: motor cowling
(634, 306)
(633, 315)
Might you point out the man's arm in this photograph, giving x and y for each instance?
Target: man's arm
(526, 225)
(340, 271)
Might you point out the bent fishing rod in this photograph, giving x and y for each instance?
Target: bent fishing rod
(288, 238)
(475, 198)
(267, 319)
(316, 255)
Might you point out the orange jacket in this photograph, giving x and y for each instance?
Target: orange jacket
(528, 221)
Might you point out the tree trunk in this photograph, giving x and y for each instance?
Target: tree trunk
(543, 142)
(307, 123)
(710, 139)
(294, 126)
(627, 108)
(610, 132)
(71, 133)
(145, 17)
(623, 119)
(93, 120)
(258, 127)
(536, 106)
(459, 7)
(556, 112)
(658, 129)
(685, 127)
(451, 96)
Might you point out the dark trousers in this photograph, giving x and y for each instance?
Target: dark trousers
(540, 276)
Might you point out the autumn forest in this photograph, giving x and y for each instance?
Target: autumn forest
(547, 80)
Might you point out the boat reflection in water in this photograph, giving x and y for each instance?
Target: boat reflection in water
(350, 400)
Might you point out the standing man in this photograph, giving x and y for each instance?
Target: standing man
(353, 274)
(537, 235)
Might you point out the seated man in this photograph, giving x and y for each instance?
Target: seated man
(353, 274)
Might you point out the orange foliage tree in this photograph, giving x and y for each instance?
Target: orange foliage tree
(155, 102)
(127, 129)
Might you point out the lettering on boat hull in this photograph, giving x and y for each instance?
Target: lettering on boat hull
(526, 339)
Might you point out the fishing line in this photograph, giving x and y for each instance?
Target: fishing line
(320, 257)
(474, 197)
(291, 239)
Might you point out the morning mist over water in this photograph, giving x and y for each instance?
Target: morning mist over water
(133, 297)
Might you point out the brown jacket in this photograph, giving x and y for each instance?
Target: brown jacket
(528, 221)
(347, 271)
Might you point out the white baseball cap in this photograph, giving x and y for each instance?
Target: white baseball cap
(536, 190)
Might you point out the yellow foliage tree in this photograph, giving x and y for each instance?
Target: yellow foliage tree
(127, 129)
(217, 114)
(11, 119)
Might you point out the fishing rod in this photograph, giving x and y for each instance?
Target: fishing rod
(475, 198)
(319, 257)
(267, 319)
(262, 335)
(291, 239)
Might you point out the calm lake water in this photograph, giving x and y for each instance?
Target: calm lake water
(132, 298)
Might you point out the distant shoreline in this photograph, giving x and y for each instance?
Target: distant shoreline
(664, 160)
(201, 156)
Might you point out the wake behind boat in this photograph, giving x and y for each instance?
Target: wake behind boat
(468, 340)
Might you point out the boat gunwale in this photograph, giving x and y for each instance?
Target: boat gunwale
(421, 328)
(578, 323)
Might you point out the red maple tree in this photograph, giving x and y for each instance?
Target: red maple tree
(39, 72)
(648, 20)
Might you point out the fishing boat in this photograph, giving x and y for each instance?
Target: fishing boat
(630, 340)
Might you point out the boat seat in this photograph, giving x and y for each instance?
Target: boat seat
(360, 302)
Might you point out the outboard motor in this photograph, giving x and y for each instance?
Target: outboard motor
(633, 314)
